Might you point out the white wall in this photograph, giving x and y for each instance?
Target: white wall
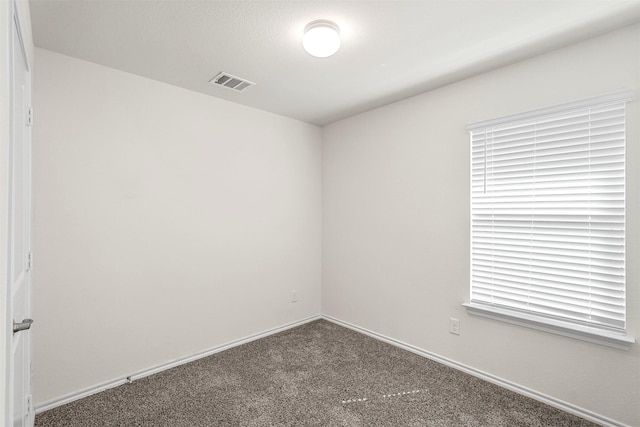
(396, 225)
(166, 222)
(6, 43)
(156, 206)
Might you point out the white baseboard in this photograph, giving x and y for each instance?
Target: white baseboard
(153, 370)
(541, 397)
(556, 403)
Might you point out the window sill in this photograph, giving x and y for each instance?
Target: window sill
(585, 333)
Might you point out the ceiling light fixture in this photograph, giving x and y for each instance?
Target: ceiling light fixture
(321, 38)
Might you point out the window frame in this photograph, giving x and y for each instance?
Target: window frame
(612, 338)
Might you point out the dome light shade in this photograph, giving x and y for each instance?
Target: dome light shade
(321, 38)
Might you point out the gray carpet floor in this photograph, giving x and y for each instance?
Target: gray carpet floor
(317, 374)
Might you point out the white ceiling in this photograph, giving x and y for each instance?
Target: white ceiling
(390, 49)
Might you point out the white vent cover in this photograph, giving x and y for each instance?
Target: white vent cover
(231, 82)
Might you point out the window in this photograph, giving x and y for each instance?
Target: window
(548, 218)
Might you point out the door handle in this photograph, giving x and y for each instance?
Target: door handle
(22, 326)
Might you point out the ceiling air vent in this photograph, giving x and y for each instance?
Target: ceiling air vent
(231, 82)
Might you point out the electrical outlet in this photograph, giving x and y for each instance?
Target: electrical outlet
(454, 326)
(294, 296)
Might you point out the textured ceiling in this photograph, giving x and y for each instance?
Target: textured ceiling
(390, 49)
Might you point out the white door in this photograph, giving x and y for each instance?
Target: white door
(20, 405)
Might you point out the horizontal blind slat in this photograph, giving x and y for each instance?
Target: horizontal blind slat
(548, 214)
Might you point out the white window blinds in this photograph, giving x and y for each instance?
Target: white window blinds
(548, 212)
